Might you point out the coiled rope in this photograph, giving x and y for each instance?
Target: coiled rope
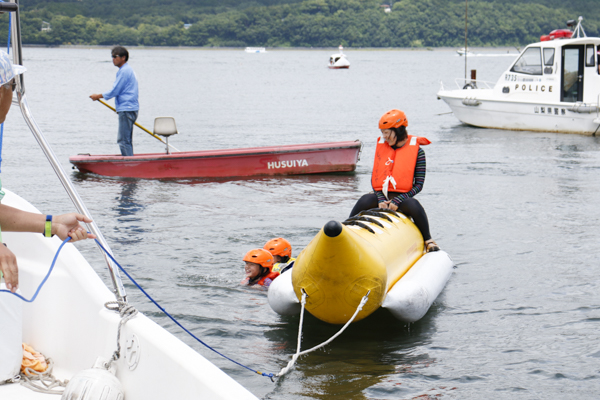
(43, 382)
(299, 353)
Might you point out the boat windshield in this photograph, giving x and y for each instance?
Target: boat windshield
(530, 62)
(549, 56)
(590, 55)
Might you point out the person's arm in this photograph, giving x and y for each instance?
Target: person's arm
(8, 267)
(5, 101)
(118, 86)
(15, 220)
(382, 202)
(418, 180)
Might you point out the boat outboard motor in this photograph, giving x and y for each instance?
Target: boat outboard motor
(97, 383)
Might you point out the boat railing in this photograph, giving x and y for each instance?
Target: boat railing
(463, 83)
(16, 46)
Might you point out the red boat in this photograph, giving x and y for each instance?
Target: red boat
(256, 161)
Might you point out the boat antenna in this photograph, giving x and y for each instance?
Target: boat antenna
(578, 29)
(466, 48)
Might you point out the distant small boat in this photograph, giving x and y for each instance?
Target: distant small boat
(463, 52)
(257, 161)
(255, 50)
(338, 60)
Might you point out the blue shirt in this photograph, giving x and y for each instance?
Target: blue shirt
(124, 90)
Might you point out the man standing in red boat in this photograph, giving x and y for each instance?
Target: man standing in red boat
(125, 92)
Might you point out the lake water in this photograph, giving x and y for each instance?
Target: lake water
(518, 212)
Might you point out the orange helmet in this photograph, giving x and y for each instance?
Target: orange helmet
(393, 119)
(279, 247)
(261, 257)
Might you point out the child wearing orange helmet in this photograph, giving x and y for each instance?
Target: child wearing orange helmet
(259, 268)
(282, 254)
(398, 174)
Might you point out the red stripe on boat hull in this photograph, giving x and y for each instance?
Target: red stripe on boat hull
(258, 161)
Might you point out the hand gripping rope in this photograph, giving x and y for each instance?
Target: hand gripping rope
(127, 312)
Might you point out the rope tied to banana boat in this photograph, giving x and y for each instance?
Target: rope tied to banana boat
(299, 353)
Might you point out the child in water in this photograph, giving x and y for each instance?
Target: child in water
(259, 268)
(282, 254)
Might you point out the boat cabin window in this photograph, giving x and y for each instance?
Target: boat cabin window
(530, 62)
(548, 57)
(590, 59)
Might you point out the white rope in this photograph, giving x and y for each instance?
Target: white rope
(47, 381)
(325, 343)
(126, 311)
(295, 356)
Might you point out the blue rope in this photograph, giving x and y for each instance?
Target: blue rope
(45, 278)
(268, 375)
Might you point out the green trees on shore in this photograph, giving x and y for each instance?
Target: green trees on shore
(293, 23)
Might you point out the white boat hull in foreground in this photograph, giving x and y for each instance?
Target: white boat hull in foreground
(69, 323)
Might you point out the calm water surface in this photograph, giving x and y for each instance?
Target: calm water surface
(519, 213)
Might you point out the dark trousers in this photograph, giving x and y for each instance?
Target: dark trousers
(125, 135)
(409, 207)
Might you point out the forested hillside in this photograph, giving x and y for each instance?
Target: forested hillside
(308, 23)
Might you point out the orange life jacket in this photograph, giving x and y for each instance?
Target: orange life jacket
(394, 169)
(270, 275)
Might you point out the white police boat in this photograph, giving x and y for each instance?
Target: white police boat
(553, 86)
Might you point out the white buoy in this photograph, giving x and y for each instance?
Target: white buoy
(97, 383)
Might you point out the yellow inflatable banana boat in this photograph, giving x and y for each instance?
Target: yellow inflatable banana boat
(371, 252)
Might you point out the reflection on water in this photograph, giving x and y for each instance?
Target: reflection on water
(284, 179)
(127, 208)
(127, 203)
(355, 362)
